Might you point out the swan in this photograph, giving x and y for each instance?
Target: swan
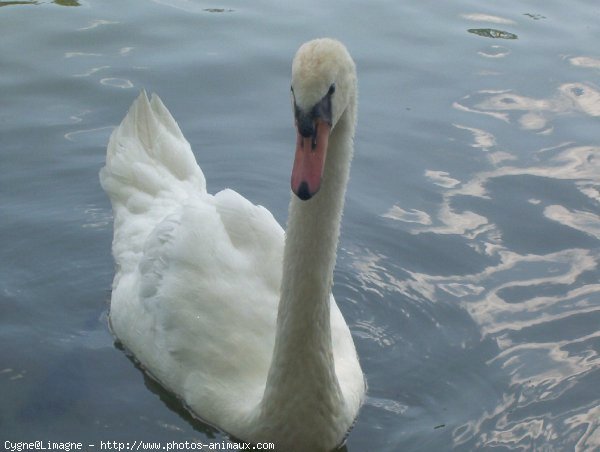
(210, 295)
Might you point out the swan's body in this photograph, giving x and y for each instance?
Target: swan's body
(206, 295)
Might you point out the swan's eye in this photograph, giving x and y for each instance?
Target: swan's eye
(331, 89)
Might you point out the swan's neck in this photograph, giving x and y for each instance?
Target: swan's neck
(302, 391)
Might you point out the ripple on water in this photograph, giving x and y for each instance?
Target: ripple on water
(540, 308)
(116, 82)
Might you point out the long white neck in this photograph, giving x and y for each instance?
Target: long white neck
(302, 393)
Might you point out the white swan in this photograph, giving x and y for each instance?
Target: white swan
(206, 295)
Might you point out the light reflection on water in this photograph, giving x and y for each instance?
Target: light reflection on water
(468, 268)
(540, 309)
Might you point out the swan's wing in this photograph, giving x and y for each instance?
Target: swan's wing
(200, 311)
(196, 288)
(150, 170)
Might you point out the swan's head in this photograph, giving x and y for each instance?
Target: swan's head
(323, 87)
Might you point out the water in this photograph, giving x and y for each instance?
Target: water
(468, 268)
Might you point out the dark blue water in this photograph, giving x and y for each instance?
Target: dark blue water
(468, 268)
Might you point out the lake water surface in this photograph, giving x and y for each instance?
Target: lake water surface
(468, 269)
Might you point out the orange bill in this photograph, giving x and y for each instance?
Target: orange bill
(309, 161)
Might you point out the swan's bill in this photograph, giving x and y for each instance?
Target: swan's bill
(309, 160)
